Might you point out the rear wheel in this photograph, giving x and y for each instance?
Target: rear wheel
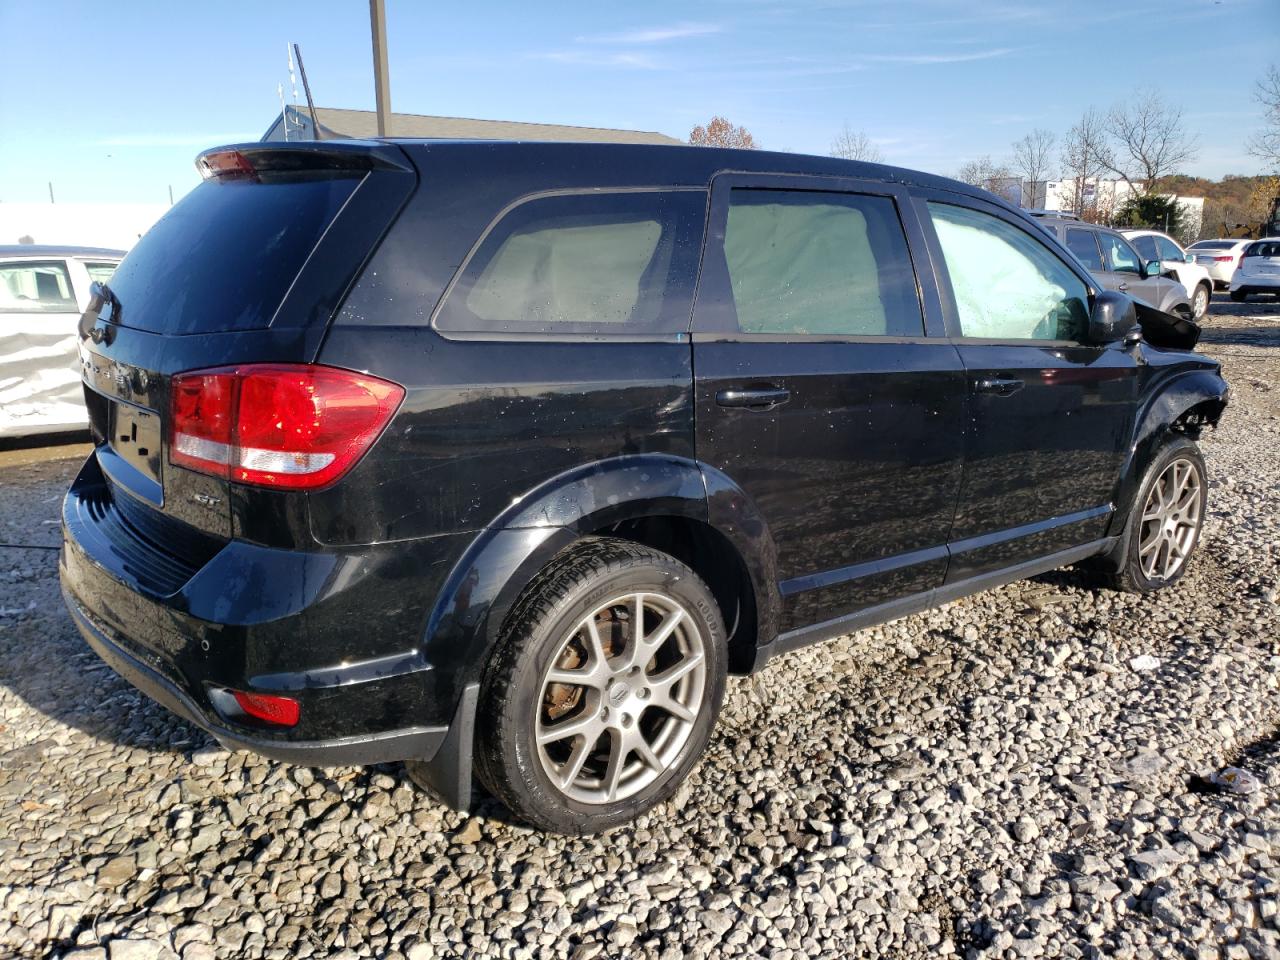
(1200, 302)
(604, 689)
(1165, 520)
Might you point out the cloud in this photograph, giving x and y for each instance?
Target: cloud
(927, 58)
(676, 31)
(635, 61)
(175, 139)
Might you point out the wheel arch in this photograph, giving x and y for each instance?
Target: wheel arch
(668, 502)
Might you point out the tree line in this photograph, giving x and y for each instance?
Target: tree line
(1142, 143)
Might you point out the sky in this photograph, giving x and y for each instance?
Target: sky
(111, 102)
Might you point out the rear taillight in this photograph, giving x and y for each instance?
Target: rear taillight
(1226, 259)
(286, 426)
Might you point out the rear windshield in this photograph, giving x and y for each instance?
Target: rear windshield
(223, 258)
(1213, 245)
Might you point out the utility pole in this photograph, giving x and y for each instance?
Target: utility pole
(381, 76)
(51, 200)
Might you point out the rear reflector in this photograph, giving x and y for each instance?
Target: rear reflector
(285, 426)
(269, 708)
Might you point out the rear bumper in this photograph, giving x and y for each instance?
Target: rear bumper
(336, 632)
(370, 748)
(1253, 284)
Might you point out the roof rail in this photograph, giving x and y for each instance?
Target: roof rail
(1060, 214)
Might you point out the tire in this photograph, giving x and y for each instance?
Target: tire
(1135, 570)
(1238, 296)
(1200, 301)
(576, 619)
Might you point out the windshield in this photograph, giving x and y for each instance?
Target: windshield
(225, 256)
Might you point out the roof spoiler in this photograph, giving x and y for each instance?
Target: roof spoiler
(253, 160)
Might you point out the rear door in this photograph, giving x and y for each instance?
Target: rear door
(820, 394)
(1050, 413)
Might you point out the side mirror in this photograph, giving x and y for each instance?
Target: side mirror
(1113, 318)
(1152, 269)
(1189, 258)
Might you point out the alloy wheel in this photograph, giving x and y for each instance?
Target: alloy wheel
(1170, 520)
(1201, 303)
(620, 698)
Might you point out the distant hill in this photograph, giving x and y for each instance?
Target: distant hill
(1232, 200)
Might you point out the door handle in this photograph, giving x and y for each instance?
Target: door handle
(1123, 286)
(753, 398)
(1001, 387)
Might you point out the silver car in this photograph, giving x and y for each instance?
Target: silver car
(43, 292)
(1118, 266)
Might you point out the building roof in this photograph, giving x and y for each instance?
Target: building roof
(363, 124)
(48, 250)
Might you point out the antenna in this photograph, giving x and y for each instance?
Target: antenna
(284, 114)
(306, 87)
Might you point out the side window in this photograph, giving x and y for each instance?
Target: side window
(1121, 257)
(100, 272)
(1147, 247)
(1007, 284)
(1167, 249)
(36, 287)
(583, 263)
(1081, 243)
(813, 263)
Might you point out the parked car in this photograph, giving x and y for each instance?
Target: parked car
(1259, 270)
(1219, 257)
(43, 291)
(1117, 265)
(1195, 279)
(459, 470)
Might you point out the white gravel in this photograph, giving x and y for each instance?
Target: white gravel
(992, 779)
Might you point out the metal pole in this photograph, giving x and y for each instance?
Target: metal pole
(51, 200)
(381, 76)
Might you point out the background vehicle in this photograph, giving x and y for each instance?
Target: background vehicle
(1117, 265)
(1259, 270)
(43, 291)
(1195, 279)
(464, 474)
(1219, 257)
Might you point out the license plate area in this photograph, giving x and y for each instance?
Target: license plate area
(135, 438)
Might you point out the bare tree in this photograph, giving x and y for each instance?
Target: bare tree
(1148, 141)
(1265, 144)
(980, 171)
(1033, 159)
(719, 132)
(851, 144)
(1083, 151)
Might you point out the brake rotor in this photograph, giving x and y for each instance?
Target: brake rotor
(563, 698)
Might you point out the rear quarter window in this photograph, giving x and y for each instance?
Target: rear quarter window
(591, 263)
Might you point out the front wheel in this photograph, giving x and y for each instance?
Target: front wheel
(1200, 302)
(1165, 519)
(604, 688)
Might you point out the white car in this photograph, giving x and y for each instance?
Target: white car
(1195, 279)
(43, 292)
(1259, 270)
(1219, 257)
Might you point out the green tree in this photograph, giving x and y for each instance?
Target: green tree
(1151, 212)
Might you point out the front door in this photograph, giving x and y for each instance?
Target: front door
(1050, 413)
(818, 392)
(1125, 272)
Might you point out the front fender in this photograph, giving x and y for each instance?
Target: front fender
(1171, 399)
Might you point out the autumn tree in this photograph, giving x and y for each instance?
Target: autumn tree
(719, 132)
(1147, 142)
(851, 144)
(1265, 144)
(1033, 160)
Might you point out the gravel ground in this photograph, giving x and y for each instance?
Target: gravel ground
(991, 779)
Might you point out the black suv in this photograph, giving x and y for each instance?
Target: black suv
(497, 457)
